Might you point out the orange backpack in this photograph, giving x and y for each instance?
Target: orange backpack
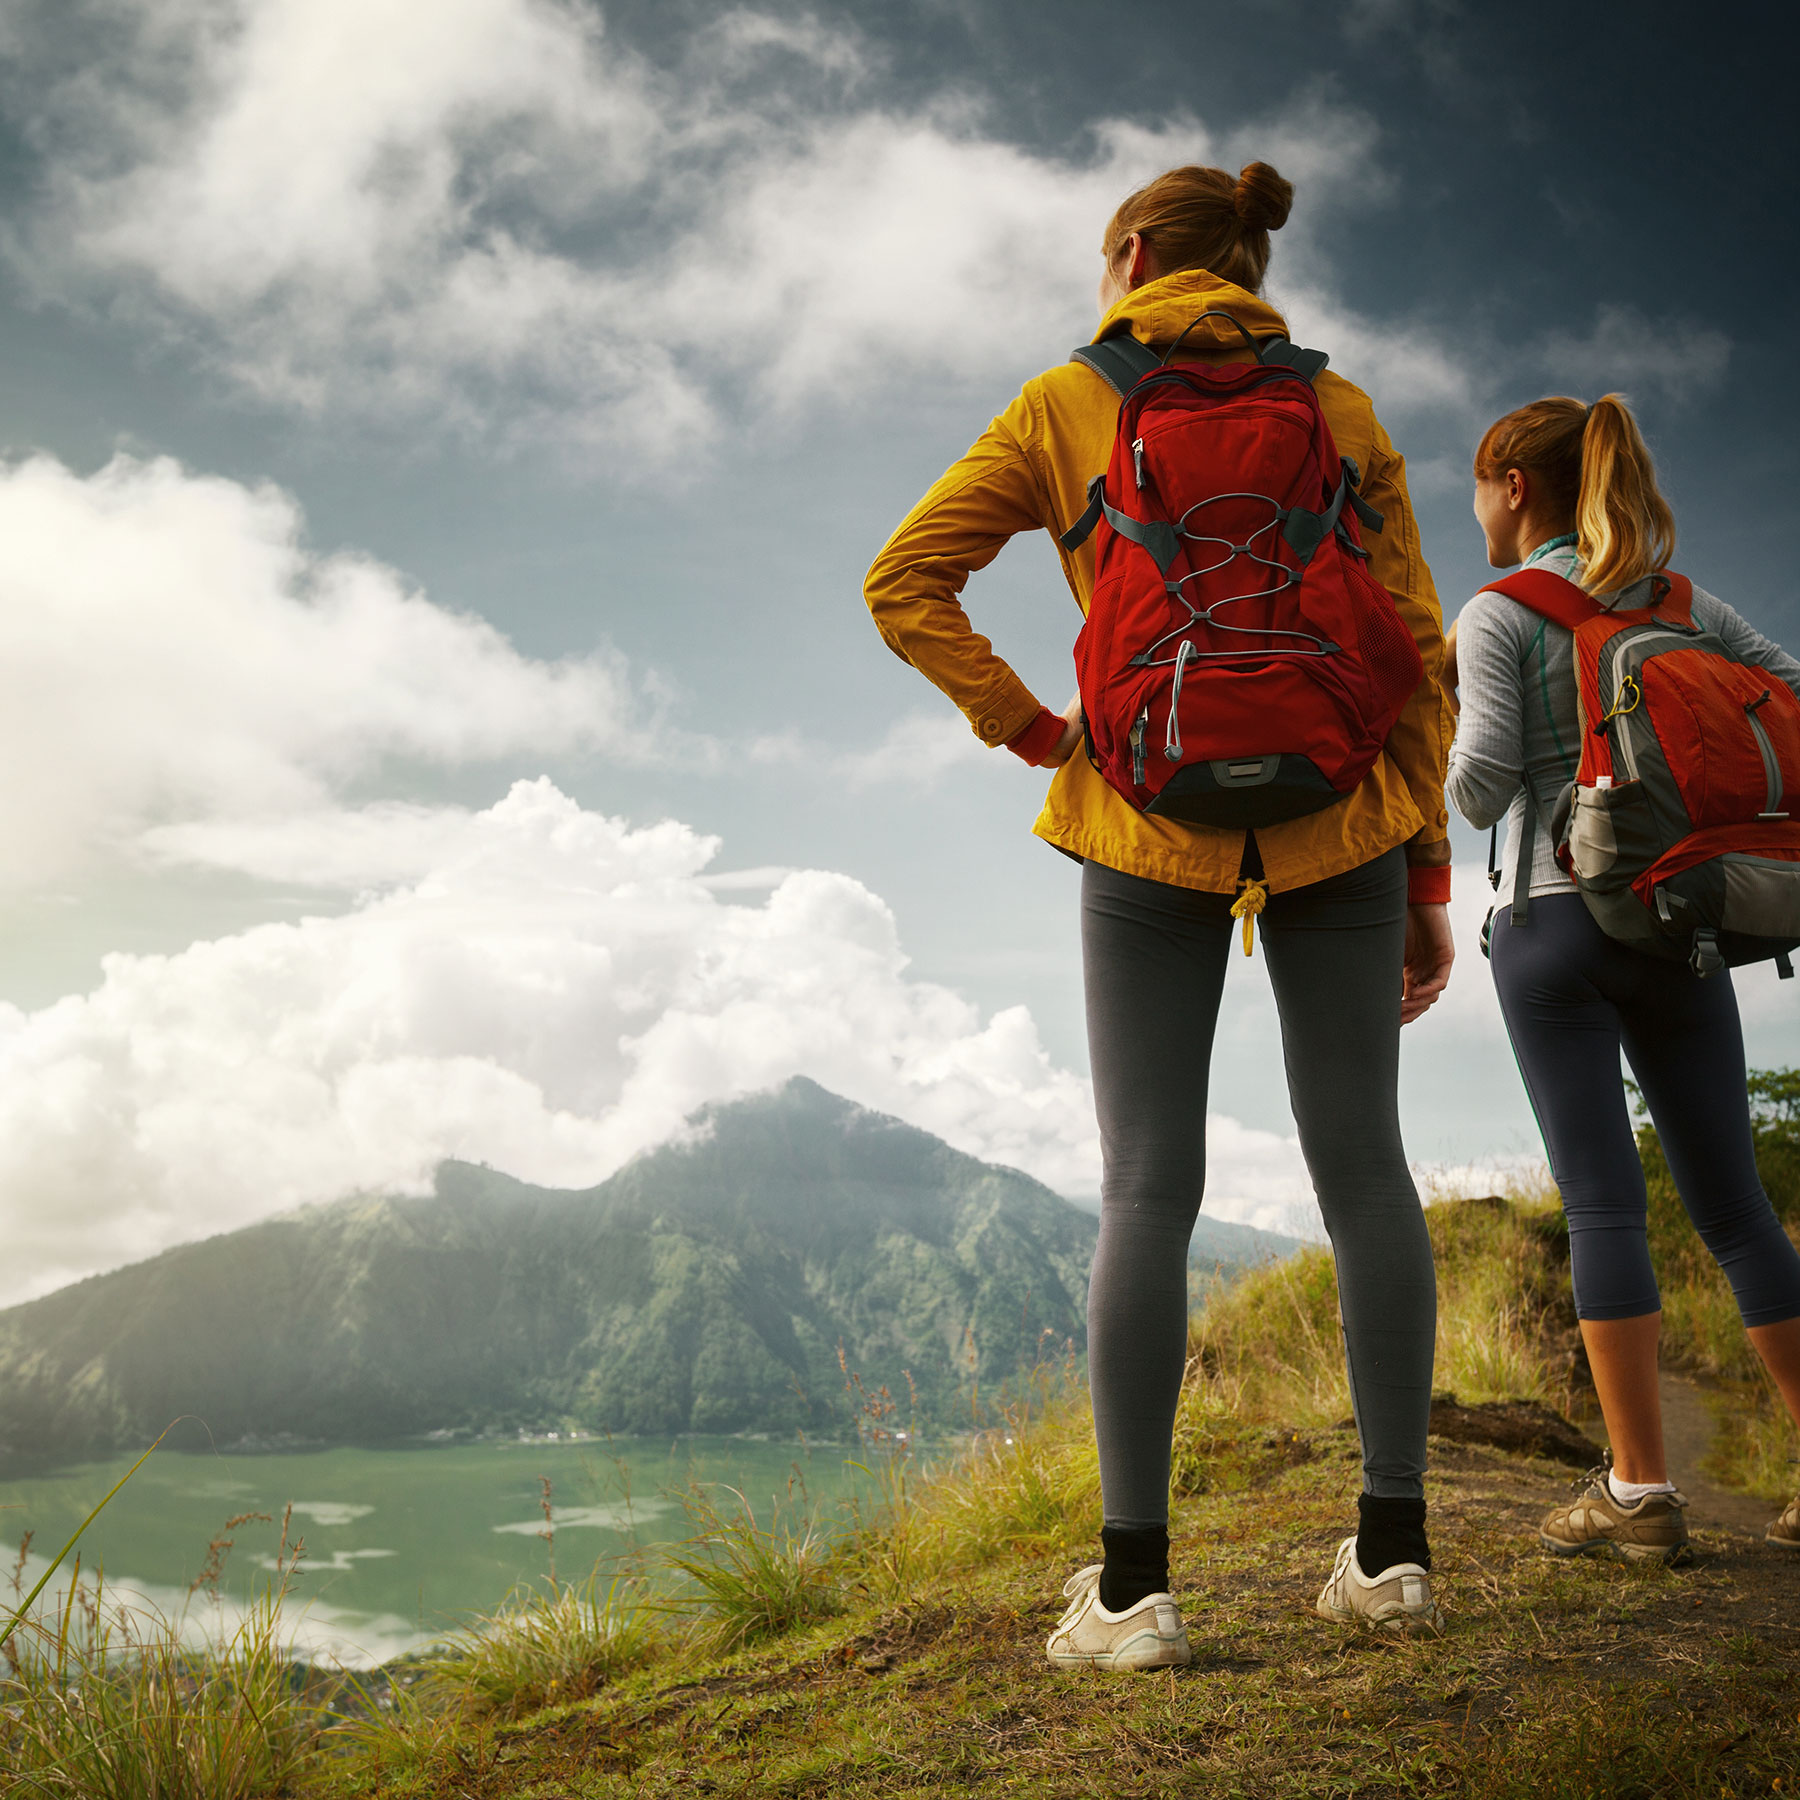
(1677, 829)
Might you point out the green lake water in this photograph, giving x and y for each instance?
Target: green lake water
(401, 1544)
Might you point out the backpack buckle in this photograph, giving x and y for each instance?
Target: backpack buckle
(1706, 959)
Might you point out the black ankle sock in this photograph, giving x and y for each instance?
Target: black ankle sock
(1390, 1531)
(1137, 1563)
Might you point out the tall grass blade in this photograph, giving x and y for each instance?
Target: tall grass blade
(56, 1562)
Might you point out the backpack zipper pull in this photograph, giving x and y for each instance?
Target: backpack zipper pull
(1137, 460)
(1137, 747)
(1172, 743)
(1770, 761)
(1624, 701)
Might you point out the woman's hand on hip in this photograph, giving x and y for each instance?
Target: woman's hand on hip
(1070, 741)
(1429, 953)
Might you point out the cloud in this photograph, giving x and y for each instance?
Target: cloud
(1675, 361)
(1409, 371)
(497, 215)
(543, 989)
(173, 651)
(919, 747)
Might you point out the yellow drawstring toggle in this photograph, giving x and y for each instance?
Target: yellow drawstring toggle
(1246, 906)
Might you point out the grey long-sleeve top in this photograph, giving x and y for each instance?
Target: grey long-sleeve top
(1516, 679)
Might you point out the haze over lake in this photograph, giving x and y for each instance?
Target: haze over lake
(401, 1544)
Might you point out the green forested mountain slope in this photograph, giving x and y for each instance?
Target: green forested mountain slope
(705, 1287)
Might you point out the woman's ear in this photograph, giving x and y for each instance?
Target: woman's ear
(1136, 257)
(1518, 490)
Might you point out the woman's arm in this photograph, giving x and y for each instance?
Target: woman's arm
(1488, 760)
(1419, 744)
(912, 590)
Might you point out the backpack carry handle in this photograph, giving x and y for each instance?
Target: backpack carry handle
(1214, 312)
(1275, 352)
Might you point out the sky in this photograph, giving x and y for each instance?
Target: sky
(441, 442)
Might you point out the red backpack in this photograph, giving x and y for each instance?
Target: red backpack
(1675, 829)
(1239, 665)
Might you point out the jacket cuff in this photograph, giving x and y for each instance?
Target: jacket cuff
(1038, 738)
(1428, 887)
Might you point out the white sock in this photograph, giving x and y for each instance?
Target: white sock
(1629, 1493)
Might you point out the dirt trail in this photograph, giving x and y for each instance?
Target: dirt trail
(1687, 1436)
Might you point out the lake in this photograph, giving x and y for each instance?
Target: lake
(401, 1544)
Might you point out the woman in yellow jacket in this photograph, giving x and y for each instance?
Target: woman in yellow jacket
(1355, 928)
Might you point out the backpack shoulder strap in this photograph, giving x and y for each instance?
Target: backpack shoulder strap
(1556, 599)
(1120, 361)
(1526, 855)
(1279, 352)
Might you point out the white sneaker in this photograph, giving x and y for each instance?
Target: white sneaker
(1399, 1599)
(1149, 1635)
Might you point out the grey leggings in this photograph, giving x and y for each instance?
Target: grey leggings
(1155, 957)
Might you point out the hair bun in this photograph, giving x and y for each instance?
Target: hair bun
(1261, 198)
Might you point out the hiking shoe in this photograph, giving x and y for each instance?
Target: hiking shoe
(1597, 1523)
(1785, 1531)
(1398, 1599)
(1149, 1635)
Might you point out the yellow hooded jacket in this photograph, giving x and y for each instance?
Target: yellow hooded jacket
(1028, 471)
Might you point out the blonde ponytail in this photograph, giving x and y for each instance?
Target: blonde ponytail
(1624, 527)
(1594, 469)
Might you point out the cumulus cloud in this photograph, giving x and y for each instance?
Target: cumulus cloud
(173, 651)
(495, 212)
(544, 989)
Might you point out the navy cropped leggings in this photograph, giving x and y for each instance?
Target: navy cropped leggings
(1573, 998)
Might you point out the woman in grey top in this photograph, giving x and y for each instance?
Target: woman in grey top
(1570, 489)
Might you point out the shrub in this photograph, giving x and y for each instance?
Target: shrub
(544, 1646)
(750, 1582)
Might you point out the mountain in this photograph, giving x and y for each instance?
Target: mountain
(1221, 1249)
(707, 1286)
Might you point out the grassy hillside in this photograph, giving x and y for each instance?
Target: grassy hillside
(898, 1651)
(1554, 1681)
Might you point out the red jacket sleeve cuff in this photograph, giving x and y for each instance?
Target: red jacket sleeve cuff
(1428, 887)
(1038, 738)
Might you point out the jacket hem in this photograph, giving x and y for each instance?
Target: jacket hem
(1068, 836)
